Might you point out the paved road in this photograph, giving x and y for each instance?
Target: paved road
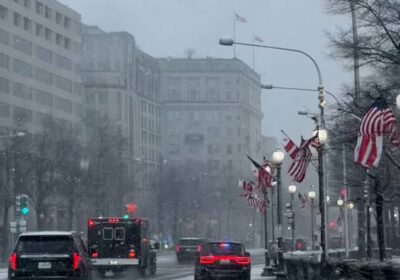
(168, 269)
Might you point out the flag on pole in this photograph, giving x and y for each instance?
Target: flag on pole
(379, 120)
(264, 173)
(240, 19)
(289, 146)
(298, 168)
(303, 200)
(258, 39)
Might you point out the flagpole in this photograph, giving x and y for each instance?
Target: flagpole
(253, 50)
(234, 33)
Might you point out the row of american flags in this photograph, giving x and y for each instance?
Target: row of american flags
(379, 121)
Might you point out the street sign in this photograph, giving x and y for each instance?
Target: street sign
(13, 227)
(22, 226)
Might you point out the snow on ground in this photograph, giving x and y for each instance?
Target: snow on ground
(3, 273)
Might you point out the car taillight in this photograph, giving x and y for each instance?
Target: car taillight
(95, 255)
(76, 259)
(131, 254)
(13, 261)
(178, 248)
(207, 259)
(242, 260)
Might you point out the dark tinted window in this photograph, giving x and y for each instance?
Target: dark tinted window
(107, 233)
(45, 245)
(222, 249)
(119, 233)
(189, 242)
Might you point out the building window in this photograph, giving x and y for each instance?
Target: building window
(4, 61)
(4, 109)
(27, 3)
(212, 95)
(22, 115)
(39, 30)
(22, 68)
(22, 91)
(174, 149)
(3, 12)
(213, 149)
(17, 19)
(47, 12)
(4, 39)
(59, 39)
(63, 104)
(44, 54)
(39, 8)
(228, 95)
(44, 98)
(44, 76)
(67, 43)
(67, 22)
(63, 83)
(4, 86)
(48, 34)
(229, 148)
(27, 24)
(58, 18)
(173, 95)
(193, 95)
(63, 62)
(23, 45)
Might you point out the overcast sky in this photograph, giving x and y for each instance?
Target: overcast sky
(168, 27)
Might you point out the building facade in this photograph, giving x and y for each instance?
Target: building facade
(123, 83)
(211, 113)
(39, 64)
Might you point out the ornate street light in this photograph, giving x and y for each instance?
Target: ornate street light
(292, 191)
(277, 158)
(311, 195)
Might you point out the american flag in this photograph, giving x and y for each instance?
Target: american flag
(303, 200)
(298, 168)
(379, 120)
(289, 146)
(263, 173)
(240, 19)
(258, 39)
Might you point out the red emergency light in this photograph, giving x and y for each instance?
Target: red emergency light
(131, 208)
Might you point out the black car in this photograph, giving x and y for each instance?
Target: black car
(186, 248)
(223, 259)
(49, 255)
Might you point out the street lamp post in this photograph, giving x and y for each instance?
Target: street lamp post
(267, 270)
(321, 105)
(277, 158)
(311, 196)
(292, 191)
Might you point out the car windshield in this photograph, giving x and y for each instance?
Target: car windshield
(45, 245)
(189, 242)
(223, 249)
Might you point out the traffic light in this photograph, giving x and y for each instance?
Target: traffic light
(24, 205)
(126, 217)
(131, 208)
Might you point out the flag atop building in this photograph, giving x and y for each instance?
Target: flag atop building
(379, 120)
(258, 39)
(240, 18)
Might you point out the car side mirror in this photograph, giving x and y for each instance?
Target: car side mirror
(247, 254)
(157, 245)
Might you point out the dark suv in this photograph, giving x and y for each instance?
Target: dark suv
(187, 247)
(222, 260)
(49, 255)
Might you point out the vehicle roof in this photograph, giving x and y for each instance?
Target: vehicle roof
(48, 233)
(191, 238)
(224, 241)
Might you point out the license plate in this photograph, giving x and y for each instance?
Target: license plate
(44, 265)
(224, 261)
(114, 262)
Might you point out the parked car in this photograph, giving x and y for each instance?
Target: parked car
(187, 247)
(222, 260)
(49, 255)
